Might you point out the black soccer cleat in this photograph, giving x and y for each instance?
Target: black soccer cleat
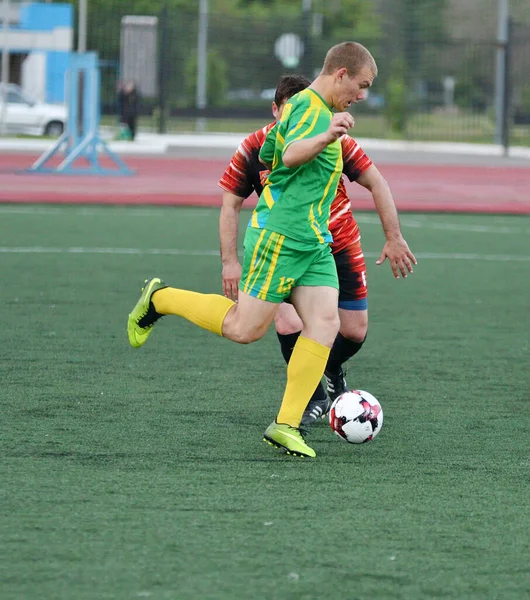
(335, 384)
(316, 409)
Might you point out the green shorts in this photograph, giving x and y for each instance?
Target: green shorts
(274, 264)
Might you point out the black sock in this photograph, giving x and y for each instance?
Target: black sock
(287, 343)
(341, 351)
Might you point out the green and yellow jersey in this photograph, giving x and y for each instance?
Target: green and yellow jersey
(296, 201)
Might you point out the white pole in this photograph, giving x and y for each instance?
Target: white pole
(502, 41)
(202, 61)
(5, 65)
(81, 34)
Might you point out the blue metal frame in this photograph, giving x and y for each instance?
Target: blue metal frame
(81, 140)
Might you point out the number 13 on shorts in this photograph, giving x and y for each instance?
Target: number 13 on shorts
(286, 283)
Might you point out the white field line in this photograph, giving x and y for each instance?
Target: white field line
(427, 222)
(92, 211)
(99, 250)
(430, 223)
(183, 252)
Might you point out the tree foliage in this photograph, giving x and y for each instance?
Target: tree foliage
(241, 38)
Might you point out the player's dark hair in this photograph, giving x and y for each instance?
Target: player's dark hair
(349, 55)
(288, 86)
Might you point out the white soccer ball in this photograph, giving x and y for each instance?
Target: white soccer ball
(356, 417)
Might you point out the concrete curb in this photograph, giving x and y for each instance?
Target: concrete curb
(150, 143)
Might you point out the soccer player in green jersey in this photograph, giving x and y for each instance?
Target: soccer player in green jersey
(287, 252)
(245, 175)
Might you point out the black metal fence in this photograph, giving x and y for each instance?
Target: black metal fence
(430, 87)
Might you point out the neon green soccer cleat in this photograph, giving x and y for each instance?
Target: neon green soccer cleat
(143, 316)
(289, 438)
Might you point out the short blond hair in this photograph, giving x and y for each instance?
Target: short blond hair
(350, 56)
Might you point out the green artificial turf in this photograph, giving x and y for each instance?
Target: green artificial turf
(142, 473)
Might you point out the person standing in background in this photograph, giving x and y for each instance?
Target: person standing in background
(129, 106)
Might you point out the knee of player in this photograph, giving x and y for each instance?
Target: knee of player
(354, 325)
(355, 334)
(284, 327)
(322, 328)
(329, 328)
(335, 325)
(287, 320)
(330, 323)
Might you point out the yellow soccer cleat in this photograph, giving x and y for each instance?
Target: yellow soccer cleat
(289, 438)
(143, 316)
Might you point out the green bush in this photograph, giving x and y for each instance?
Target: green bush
(217, 80)
(396, 99)
(525, 100)
(472, 94)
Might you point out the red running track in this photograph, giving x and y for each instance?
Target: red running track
(166, 180)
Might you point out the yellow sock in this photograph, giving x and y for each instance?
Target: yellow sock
(205, 310)
(304, 371)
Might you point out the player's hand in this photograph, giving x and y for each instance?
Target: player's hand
(230, 275)
(340, 124)
(400, 257)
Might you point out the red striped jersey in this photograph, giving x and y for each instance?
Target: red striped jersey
(245, 174)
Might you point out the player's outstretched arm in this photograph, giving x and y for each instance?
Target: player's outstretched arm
(228, 234)
(396, 248)
(303, 151)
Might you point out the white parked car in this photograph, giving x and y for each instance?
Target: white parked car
(23, 115)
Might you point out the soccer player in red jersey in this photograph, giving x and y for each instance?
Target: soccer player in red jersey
(245, 174)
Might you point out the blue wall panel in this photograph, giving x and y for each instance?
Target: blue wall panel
(45, 17)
